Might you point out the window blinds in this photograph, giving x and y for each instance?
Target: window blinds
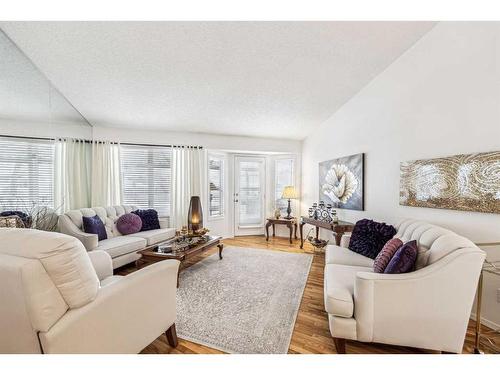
(26, 173)
(216, 186)
(147, 177)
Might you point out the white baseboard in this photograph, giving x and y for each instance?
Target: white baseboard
(486, 322)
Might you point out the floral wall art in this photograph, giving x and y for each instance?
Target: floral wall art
(341, 182)
(461, 182)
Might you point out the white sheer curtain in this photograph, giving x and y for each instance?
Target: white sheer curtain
(86, 174)
(106, 177)
(186, 181)
(71, 174)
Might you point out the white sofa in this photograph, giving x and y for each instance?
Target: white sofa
(122, 249)
(57, 298)
(428, 308)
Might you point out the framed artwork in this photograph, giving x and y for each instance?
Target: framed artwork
(461, 182)
(341, 182)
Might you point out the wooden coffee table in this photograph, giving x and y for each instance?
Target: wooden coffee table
(151, 255)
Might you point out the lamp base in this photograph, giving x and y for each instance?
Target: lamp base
(289, 211)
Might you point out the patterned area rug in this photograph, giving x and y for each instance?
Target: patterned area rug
(245, 303)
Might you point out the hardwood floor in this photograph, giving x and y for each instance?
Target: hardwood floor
(311, 334)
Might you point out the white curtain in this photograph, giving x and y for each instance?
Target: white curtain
(86, 174)
(187, 180)
(71, 174)
(106, 178)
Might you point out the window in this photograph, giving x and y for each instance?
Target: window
(146, 177)
(26, 173)
(215, 186)
(284, 176)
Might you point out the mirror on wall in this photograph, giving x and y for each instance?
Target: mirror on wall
(27, 98)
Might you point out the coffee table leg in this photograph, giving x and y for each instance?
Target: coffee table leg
(221, 247)
(178, 273)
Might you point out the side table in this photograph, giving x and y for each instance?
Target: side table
(290, 223)
(338, 229)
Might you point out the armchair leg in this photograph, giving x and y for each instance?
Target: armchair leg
(339, 345)
(171, 336)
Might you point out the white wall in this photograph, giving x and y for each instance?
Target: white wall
(440, 98)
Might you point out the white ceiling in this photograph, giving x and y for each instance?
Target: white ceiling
(271, 79)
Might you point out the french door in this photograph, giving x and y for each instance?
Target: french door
(249, 195)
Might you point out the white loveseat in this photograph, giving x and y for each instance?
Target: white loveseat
(122, 249)
(428, 308)
(58, 298)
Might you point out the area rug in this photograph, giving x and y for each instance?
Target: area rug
(245, 303)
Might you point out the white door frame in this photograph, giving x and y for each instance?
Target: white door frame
(255, 229)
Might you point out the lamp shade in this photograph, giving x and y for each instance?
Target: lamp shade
(195, 214)
(289, 193)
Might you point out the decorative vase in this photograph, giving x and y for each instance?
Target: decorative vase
(277, 213)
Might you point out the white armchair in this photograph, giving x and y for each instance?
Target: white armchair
(57, 298)
(428, 308)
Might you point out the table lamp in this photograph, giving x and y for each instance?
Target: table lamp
(195, 214)
(289, 193)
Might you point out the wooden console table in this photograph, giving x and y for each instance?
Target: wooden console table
(338, 229)
(290, 223)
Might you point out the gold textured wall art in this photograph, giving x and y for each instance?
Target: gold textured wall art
(461, 182)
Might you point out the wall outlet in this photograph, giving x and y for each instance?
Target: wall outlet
(498, 295)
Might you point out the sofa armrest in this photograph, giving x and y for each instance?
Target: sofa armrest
(66, 226)
(345, 239)
(428, 308)
(102, 263)
(129, 313)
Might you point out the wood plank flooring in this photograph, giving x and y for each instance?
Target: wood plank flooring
(311, 334)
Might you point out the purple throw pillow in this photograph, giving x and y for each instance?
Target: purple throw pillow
(129, 224)
(404, 259)
(369, 237)
(384, 257)
(149, 219)
(94, 225)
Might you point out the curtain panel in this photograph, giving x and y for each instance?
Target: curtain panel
(86, 174)
(71, 174)
(187, 181)
(106, 175)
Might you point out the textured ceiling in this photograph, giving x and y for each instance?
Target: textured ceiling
(271, 79)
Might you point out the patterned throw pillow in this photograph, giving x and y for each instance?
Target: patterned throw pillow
(369, 237)
(94, 225)
(404, 259)
(149, 219)
(129, 224)
(384, 257)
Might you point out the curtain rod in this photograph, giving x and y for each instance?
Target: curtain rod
(89, 141)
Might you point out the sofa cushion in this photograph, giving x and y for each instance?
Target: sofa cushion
(404, 258)
(149, 219)
(156, 235)
(369, 237)
(121, 245)
(340, 255)
(129, 224)
(94, 225)
(384, 257)
(63, 257)
(339, 288)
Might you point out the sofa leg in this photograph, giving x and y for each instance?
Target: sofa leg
(339, 345)
(171, 336)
